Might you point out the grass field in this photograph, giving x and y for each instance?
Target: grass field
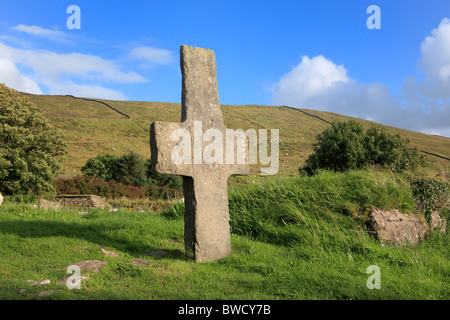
(292, 238)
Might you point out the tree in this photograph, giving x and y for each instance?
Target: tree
(129, 169)
(101, 167)
(160, 179)
(339, 148)
(388, 150)
(29, 146)
(345, 146)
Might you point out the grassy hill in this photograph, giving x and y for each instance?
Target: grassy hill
(95, 127)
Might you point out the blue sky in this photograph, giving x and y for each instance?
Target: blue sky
(312, 54)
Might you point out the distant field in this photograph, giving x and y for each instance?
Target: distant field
(98, 127)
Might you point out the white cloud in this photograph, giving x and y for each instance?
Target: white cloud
(60, 72)
(319, 83)
(308, 79)
(44, 33)
(11, 76)
(152, 55)
(435, 52)
(424, 106)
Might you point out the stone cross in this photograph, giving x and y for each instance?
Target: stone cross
(206, 229)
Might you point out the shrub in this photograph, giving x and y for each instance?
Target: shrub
(387, 150)
(431, 195)
(129, 169)
(345, 146)
(339, 148)
(100, 167)
(29, 146)
(160, 179)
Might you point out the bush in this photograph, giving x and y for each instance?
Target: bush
(100, 167)
(129, 169)
(387, 150)
(160, 179)
(431, 195)
(29, 146)
(345, 146)
(339, 148)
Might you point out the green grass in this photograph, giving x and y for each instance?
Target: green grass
(295, 238)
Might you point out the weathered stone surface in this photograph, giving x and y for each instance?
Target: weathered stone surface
(109, 253)
(141, 262)
(437, 222)
(207, 230)
(49, 205)
(81, 201)
(93, 265)
(397, 228)
(46, 293)
(41, 282)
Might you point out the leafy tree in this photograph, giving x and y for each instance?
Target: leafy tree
(160, 179)
(29, 146)
(345, 146)
(130, 169)
(101, 167)
(339, 148)
(388, 150)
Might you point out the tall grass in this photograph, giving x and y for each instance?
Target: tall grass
(321, 208)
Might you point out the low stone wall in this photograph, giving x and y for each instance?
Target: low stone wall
(85, 202)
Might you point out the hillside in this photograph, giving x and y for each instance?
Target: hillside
(95, 127)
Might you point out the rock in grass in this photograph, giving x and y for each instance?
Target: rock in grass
(109, 253)
(41, 282)
(396, 228)
(49, 205)
(141, 262)
(1, 199)
(437, 222)
(46, 293)
(92, 265)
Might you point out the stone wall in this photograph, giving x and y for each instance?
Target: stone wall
(84, 202)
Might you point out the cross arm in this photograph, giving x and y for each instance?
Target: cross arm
(161, 146)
